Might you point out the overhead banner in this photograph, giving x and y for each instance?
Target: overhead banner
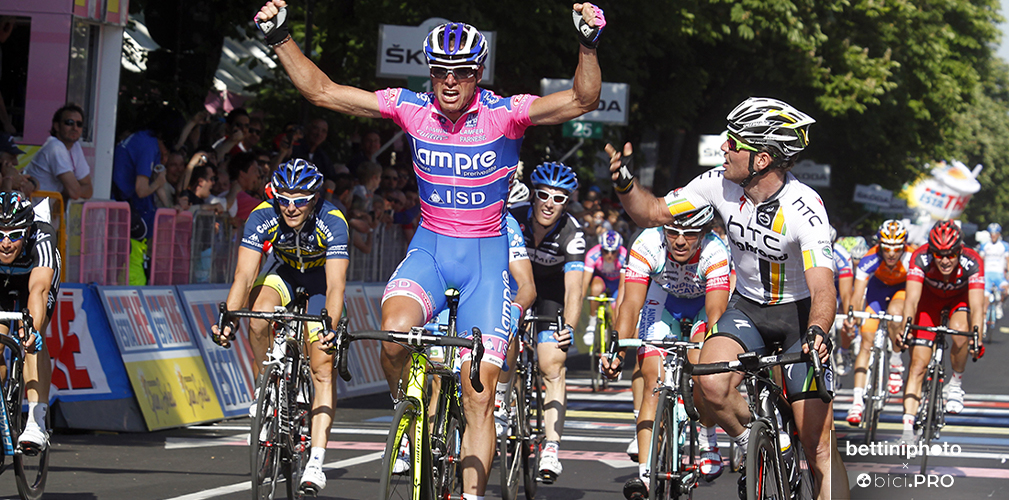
(709, 150)
(613, 100)
(811, 173)
(230, 369)
(162, 360)
(401, 51)
(873, 194)
(86, 366)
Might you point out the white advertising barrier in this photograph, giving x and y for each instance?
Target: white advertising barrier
(613, 100)
(401, 50)
(945, 194)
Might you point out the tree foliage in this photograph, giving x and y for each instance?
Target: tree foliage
(893, 84)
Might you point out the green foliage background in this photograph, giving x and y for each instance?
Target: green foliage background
(893, 84)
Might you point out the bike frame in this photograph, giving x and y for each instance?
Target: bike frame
(875, 380)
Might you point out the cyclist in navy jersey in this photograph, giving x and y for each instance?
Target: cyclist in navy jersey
(556, 247)
(29, 278)
(308, 237)
(465, 142)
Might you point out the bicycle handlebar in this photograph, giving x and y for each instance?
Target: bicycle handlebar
(280, 315)
(416, 337)
(601, 298)
(747, 362)
(553, 323)
(973, 335)
(818, 372)
(662, 344)
(852, 314)
(25, 318)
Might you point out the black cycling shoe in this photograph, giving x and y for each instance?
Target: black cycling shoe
(741, 483)
(635, 489)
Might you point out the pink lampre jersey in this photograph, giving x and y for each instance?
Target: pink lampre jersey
(463, 168)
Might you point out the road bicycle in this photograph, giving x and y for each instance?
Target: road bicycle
(604, 341)
(30, 469)
(521, 444)
(281, 437)
(931, 416)
(775, 466)
(674, 452)
(991, 315)
(876, 373)
(432, 440)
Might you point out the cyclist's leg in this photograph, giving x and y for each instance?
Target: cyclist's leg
(480, 272)
(814, 420)
(958, 356)
(597, 287)
(269, 291)
(551, 360)
(866, 334)
(929, 307)
(650, 363)
(733, 335)
(414, 294)
(38, 370)
(658, 320)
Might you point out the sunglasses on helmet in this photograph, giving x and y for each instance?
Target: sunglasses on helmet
(736, 144)
(559, 199)
(298, 201)
(13, 234)
(460, 72)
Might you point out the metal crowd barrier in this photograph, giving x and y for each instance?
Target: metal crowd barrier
(215, 248)
(99, 242)
(170, 247)
(387, 250)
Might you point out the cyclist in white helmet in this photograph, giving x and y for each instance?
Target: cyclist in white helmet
(780, 241)
(996, 258)
(466, 142)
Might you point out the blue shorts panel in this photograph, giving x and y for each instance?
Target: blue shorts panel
(878, 294)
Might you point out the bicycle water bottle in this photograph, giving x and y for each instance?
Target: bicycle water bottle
(787, 452)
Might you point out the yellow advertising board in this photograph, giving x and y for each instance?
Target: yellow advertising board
(174, 392)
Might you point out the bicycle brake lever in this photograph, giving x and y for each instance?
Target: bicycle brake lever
(342, 343)
(475, 358)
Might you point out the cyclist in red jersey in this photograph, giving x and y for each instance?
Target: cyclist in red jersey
(943, 274)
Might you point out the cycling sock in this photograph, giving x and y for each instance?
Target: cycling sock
(895, 360)
(470, 496)
(499, 394)
(317, 456)
(956, 380)
(858, 394)
(591, 327)
(743, 439)
(642, 472)
(636, 412)
(708, 438)
(38, 413)
(908, 423)
(551, 447)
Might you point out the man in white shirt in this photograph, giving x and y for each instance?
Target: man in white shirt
(60, 165)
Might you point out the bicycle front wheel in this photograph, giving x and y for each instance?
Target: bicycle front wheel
(449, 479)
(664, 461)
(400, 482)
(764, 472)
(266, 439)
(31, 470)
(532, 448)
(933, 399)
(876, 393)
(300, 401)
(511, 442)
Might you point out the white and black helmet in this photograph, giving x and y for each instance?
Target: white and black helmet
(519, 193)
(769, 122)
(455, 44)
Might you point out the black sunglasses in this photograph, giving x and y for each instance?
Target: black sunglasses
(460, 73)
(70, 123)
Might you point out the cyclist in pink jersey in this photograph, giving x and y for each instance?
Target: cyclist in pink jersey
(465, 142)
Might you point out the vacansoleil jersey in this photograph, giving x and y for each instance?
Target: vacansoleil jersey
(707, 269)
(774, 242)
(995, 256)
(463, 168)
(872, 265)
(322, 237)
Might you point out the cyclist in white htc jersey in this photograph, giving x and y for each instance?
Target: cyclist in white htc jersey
(780, 242)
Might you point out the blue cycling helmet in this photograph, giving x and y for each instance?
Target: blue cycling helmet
(611, 241)
(994, 227)
(455, 44)
(297, 175)
(555, 175)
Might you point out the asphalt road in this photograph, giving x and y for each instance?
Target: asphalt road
(212, 461)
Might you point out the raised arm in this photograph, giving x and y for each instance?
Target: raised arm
(317, 88)
(645, 209)
(583, 96)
